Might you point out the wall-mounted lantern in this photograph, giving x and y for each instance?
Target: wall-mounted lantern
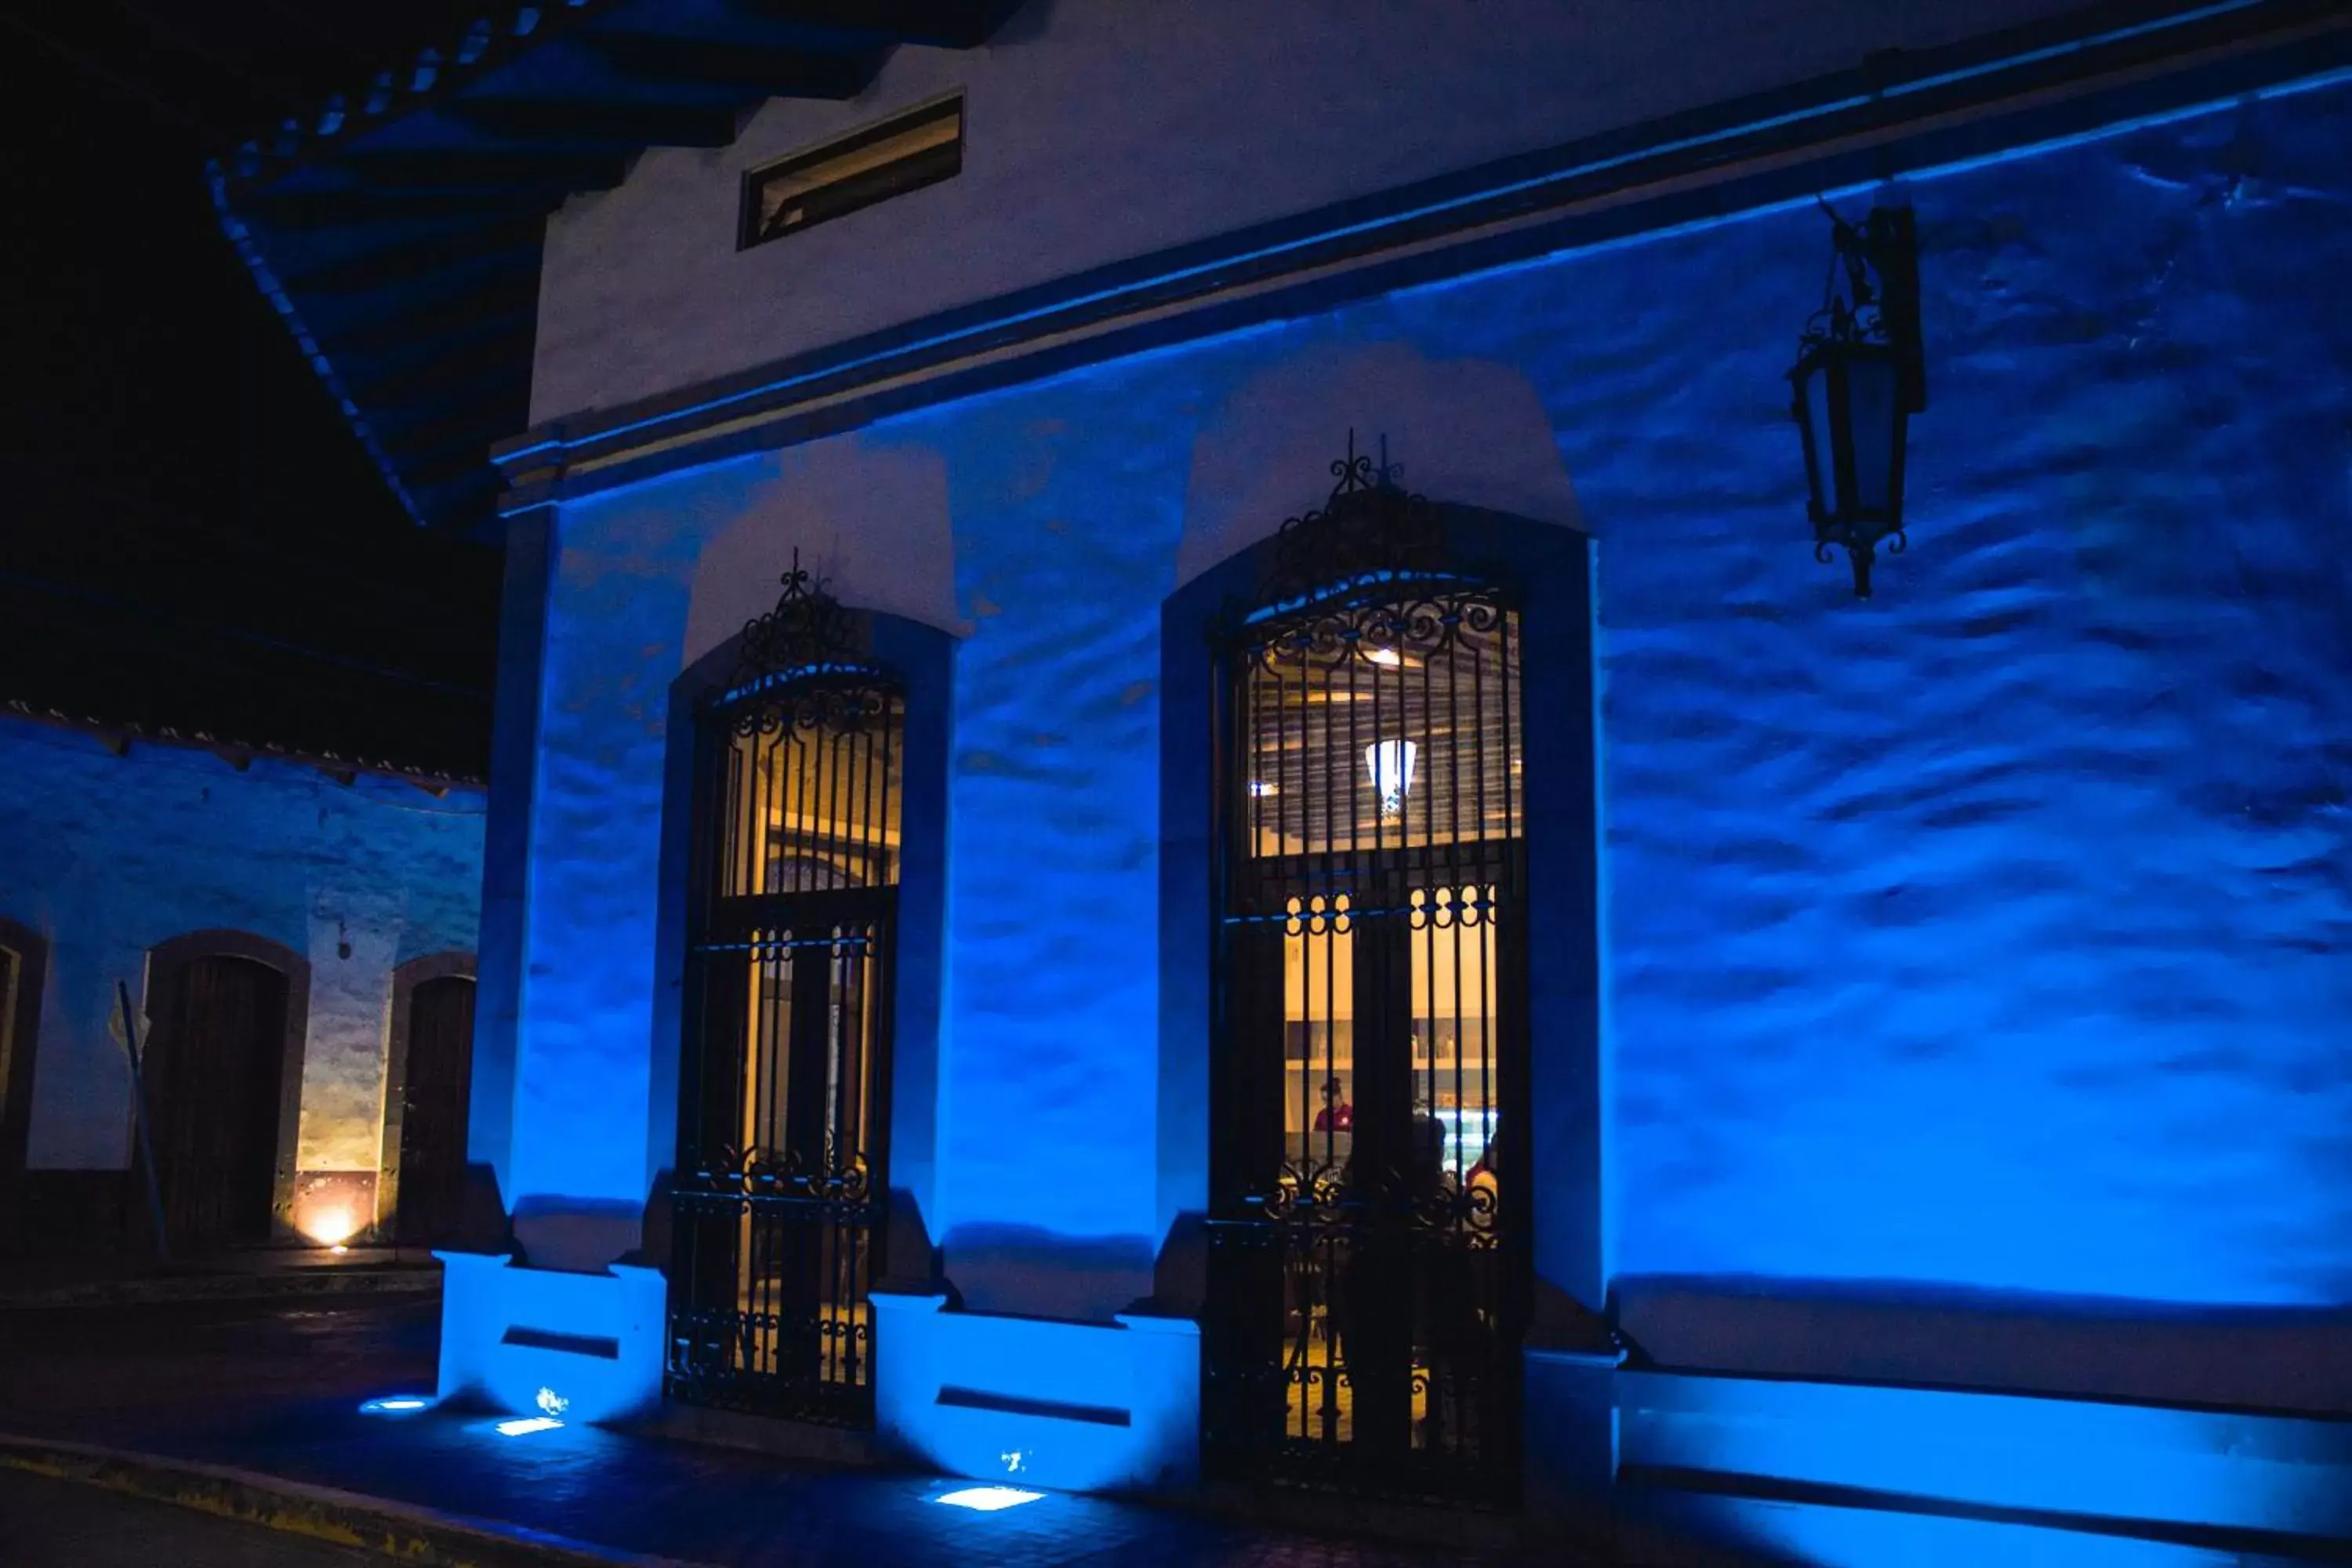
(1860, 376)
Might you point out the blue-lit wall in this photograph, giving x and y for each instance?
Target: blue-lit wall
(1983, 945)
(105, 856)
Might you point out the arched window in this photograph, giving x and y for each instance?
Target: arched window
(780, 1180)
(1367, 1088)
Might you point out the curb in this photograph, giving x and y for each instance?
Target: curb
(404, 1531)
(228, 1288)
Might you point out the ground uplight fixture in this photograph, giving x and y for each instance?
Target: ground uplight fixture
(1859, 375)
(394, 1404)
(524, 1426)
(988, 1500)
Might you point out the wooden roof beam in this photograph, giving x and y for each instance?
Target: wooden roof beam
(442, 366)
(522, 174)
(466, 433)
(393, 264)
(295, 211)
(515, 295)
(943, 24)
(608, 127)
(472, 417)
(755, 71)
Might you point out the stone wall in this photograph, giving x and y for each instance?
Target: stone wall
(107, 855)
(1991, 938)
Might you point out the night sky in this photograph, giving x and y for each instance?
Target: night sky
(189, 535)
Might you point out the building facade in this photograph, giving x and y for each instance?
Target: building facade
(295, 940)
(1178, 802)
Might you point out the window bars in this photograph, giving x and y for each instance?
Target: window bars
(780, 1181)
(1368, 1238)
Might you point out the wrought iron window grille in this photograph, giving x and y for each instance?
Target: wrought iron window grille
(1368, 1257)
(800, 663)
(784, 1087)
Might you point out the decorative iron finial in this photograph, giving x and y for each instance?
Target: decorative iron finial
(1357, 471)
(807, 629)
(1370, 526)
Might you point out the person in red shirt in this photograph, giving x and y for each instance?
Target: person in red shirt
(1337, 1115)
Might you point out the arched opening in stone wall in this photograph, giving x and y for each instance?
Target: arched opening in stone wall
(428, 1083)
(221, 1083)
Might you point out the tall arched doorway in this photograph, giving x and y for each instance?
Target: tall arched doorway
(428, 1100)
(781, 1177)
(222, 1076)
(1369, 1228)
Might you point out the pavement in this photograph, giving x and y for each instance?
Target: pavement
(50, 1524)
(281, 1272)
(261, 1400)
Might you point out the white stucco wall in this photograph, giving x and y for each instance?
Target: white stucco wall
(1098, 131)
(107, 857)
(1991, 935)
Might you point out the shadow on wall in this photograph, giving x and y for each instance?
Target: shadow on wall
(871, 523)
(2254, 1358)
(1022, 1269)
(1468, 432)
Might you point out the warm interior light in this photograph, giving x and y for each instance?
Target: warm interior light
(1263, 787)
(1387, 655)
(1390, 765)
(988, 1500)
(394, 1404)
(523, 1426)
(331, 1228)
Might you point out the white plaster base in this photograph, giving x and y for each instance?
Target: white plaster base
(1071, 1406)
(593, 1341)
(2161, 1467)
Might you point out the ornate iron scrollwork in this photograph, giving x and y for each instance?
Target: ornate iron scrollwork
(1372, 528)
(1368, 570)
(1368, 1234)
(799, 665)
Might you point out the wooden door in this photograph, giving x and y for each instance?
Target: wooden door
(433, 1111)
(213, 1092)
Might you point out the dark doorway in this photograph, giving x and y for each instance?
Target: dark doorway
(434, 1104)
(214, 1086)
(22, 959)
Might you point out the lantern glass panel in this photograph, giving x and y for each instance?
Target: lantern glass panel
(1874, 412)
(1812, 380)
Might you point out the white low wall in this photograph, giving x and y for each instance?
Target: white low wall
(1030, 1401)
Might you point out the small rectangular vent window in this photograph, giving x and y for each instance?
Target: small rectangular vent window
(920, 147)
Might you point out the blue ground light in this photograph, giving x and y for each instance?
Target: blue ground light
(988, 1500)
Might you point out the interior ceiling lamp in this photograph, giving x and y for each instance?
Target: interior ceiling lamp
(1860, 376)
(1390, 765)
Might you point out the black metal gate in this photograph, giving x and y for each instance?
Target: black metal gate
(1368, 1257)
(781, 1181)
